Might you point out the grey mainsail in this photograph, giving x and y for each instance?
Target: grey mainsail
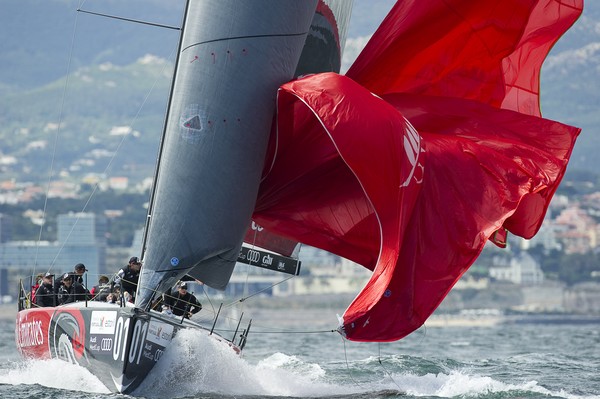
(233, 56)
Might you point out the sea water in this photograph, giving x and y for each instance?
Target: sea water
(503, 361)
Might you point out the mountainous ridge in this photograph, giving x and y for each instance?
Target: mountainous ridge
(115, 82)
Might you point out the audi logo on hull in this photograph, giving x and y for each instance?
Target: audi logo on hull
(253, 256)
(106, 344)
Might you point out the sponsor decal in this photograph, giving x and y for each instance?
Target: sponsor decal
(253, 256)
(67, 337)
(148, 355)
(103, 322)
(151, 354)
(100, 344)
(413, 148)
(192, 121)
(106, 344)
(30, 333)
(159, 333)
(256, 226)
(267, 260)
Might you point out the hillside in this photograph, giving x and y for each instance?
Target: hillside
(114, 83)
(571, 85)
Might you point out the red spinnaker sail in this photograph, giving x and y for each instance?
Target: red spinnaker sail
(431, 144)
(487, 50)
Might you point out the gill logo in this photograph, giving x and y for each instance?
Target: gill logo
(413, 147)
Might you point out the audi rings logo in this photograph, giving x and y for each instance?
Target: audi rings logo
(106, 344)
(253, 256)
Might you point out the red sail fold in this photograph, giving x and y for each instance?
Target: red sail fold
(448, 152)
(486, 50)
(351, 177)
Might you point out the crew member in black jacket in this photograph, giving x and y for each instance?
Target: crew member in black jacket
(45, 296)
(127, 278)
(181, 302)
(71, 291)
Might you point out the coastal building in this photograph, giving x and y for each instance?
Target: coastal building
(583, 298)
(546, 297)
(579, 230)
(521, 269)
(5, 228)
(81, 238)
(547, 237)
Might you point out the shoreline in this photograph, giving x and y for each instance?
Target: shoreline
(446, 320)
(323, 311)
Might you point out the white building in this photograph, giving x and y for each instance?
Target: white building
(522, 269)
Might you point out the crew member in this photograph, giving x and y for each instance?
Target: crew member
(78, 273)
(181, 302)
(127, 278)
(44, 295)
(100, 292)
(71, 291)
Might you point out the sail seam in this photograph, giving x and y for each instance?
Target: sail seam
(244, 37)
(334, 143)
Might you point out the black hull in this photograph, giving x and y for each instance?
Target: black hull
(119, 345)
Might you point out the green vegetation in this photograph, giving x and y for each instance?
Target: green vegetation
(98, 99)
(570, 268)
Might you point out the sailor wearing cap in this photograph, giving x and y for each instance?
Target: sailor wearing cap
(127, 278)
(181, 302)
(44, 296)
(78, 273)
(71, 291)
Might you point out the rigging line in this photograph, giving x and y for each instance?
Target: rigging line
(294, 332)
(55, 145)
(129, 19)
(114, 155)
(259, 291)
(241, 302)
(245, 293)
(156, 291)
(279, 332)
(169, 294)
(208, 298)
(348, 365)
(385, 370)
